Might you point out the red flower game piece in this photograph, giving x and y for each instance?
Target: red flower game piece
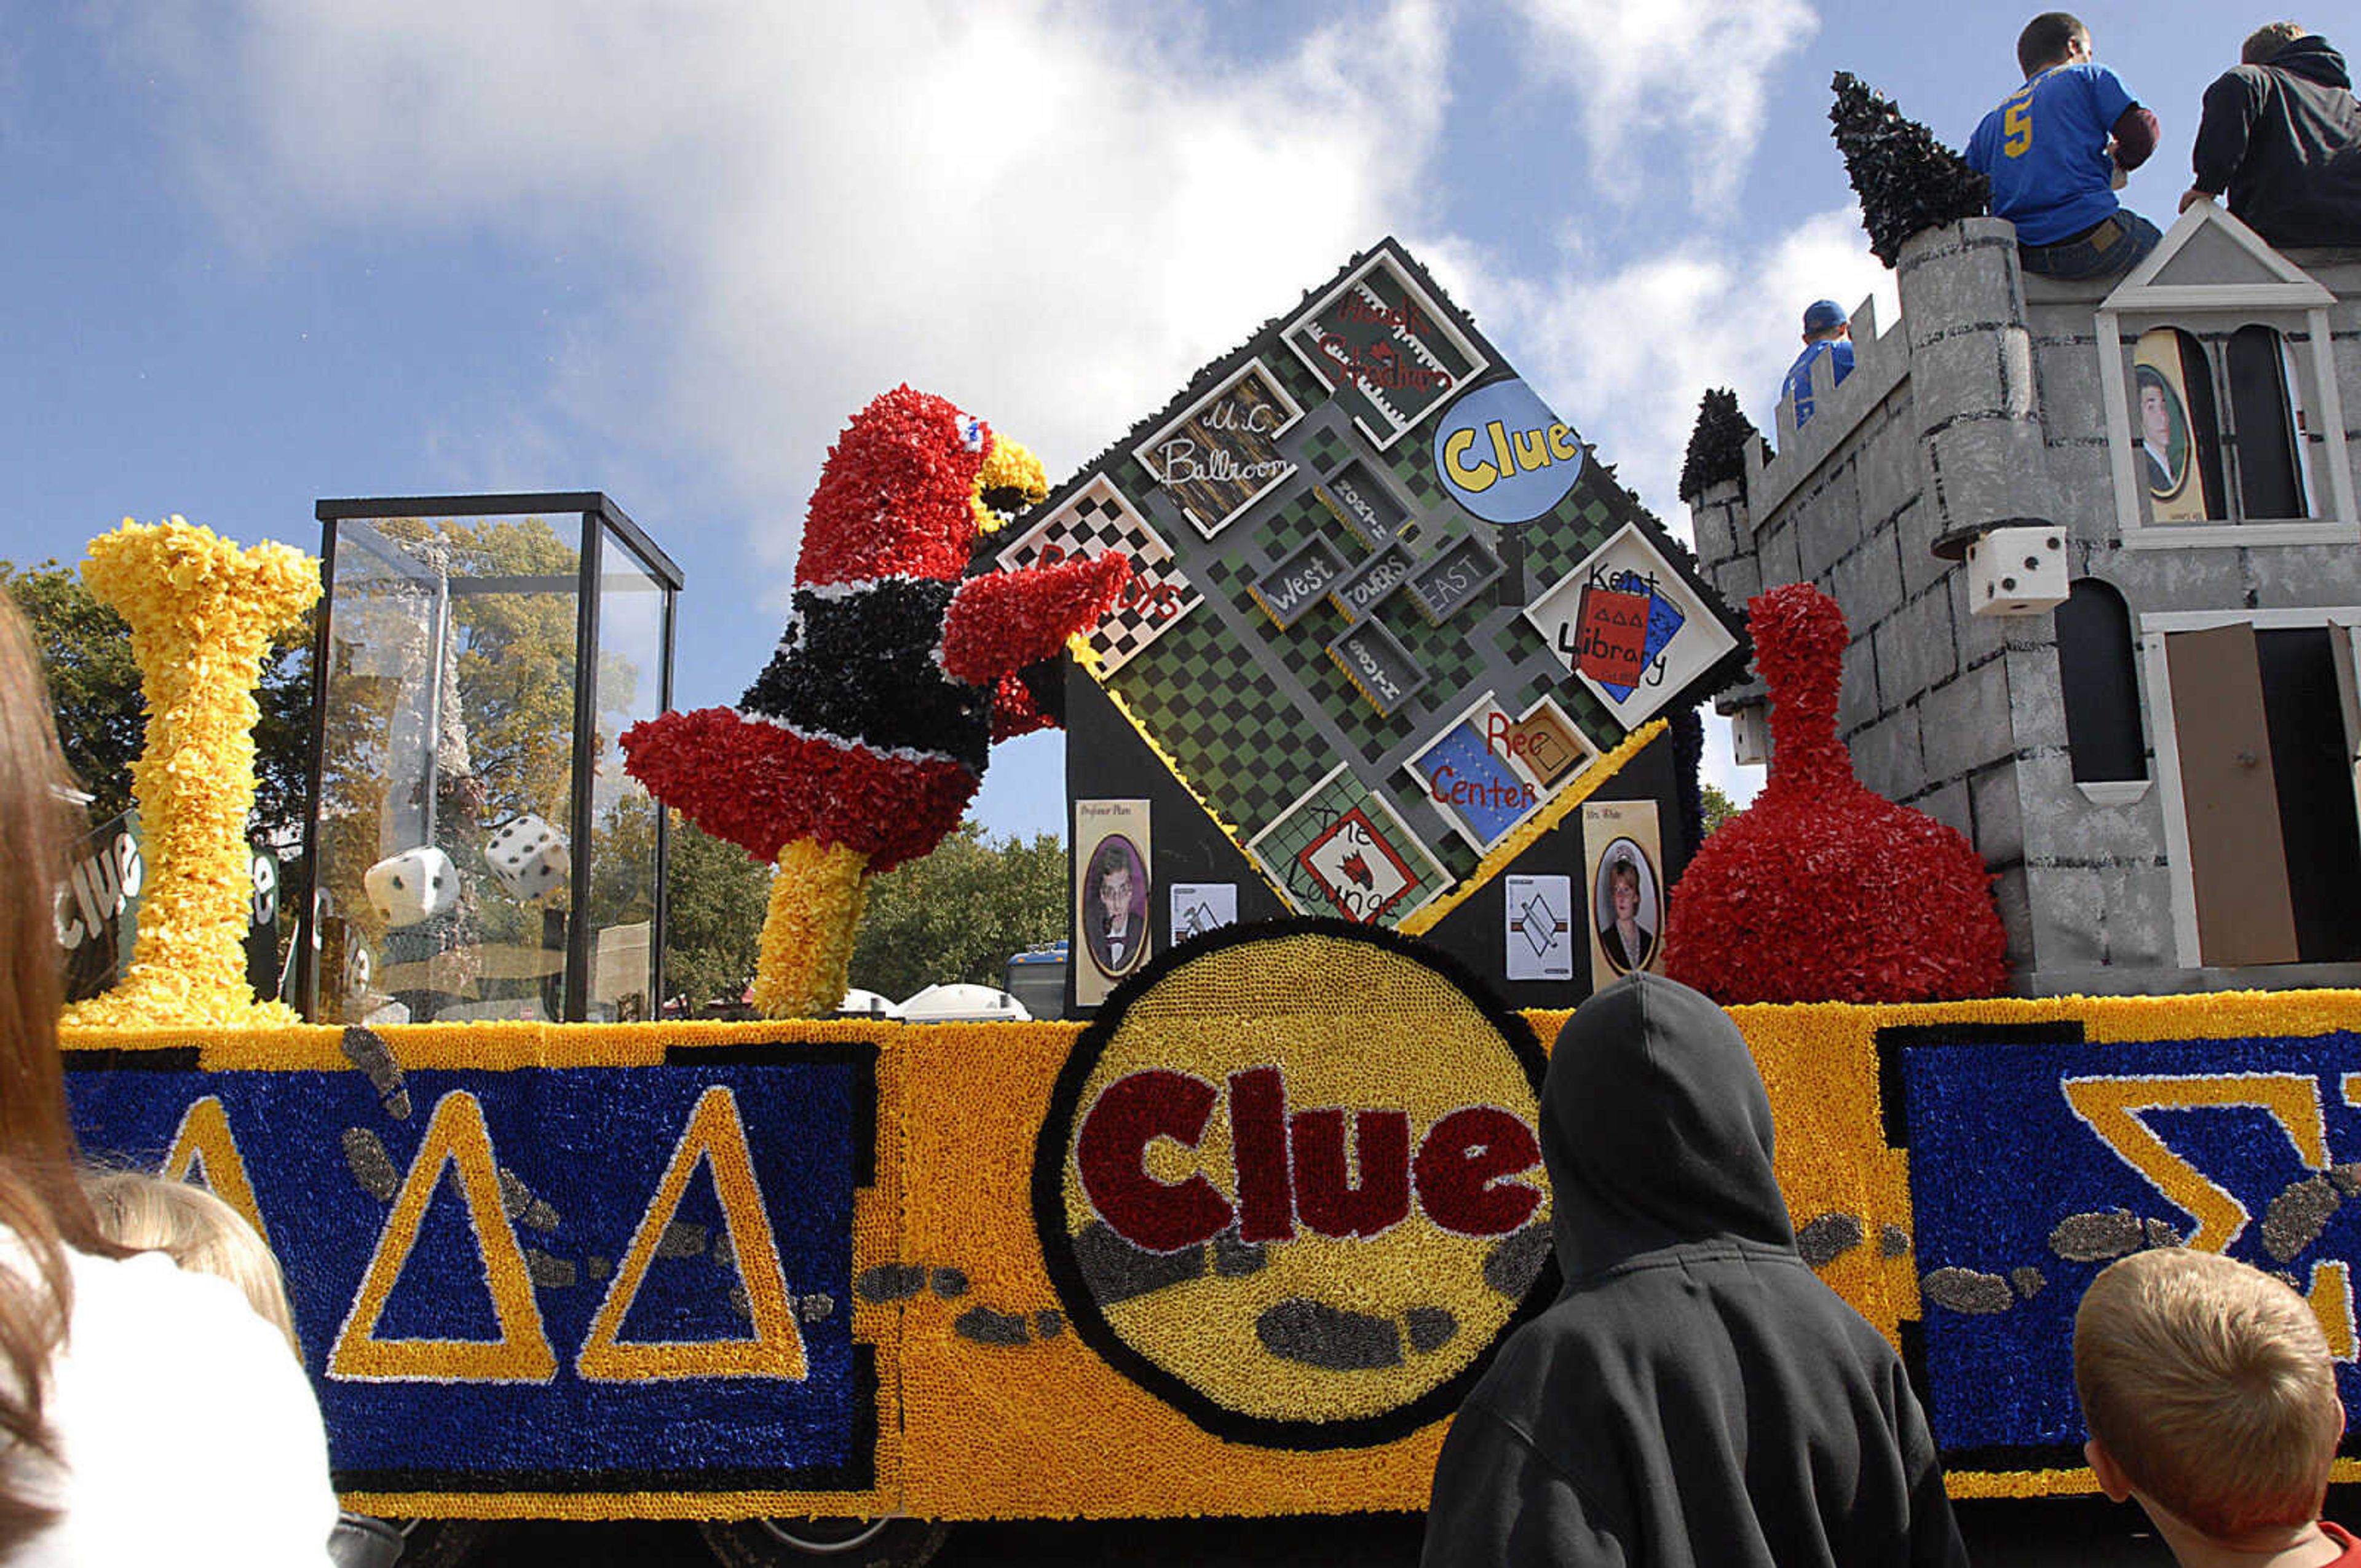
(1823, 890)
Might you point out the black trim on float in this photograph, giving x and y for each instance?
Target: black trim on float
(535, 502)
(1892, 1039)
(860, 665)
(858, 1054)
(859, 1474)
(1912, 1332)
(2002, 1459)
(576, 916)
(129, 1059)
(1065, 1271)
(306, 938)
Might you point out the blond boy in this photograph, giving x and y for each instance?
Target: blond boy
(195, 1230)
(2209, 1394)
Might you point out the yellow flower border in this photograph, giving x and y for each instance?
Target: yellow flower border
(1603, 767)
(1042, 1429)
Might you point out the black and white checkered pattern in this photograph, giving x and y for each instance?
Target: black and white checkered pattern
(1097, 520)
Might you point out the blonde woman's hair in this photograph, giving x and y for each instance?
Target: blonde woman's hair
(41, 1202)
(2268, 40)
(2209, 1382)
(196, 1231)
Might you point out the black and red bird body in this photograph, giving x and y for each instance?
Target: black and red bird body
(871, 728)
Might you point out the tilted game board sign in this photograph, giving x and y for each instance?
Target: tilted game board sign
(1388, 609)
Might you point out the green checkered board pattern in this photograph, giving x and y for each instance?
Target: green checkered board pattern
(1212, 701)
(1209, 701)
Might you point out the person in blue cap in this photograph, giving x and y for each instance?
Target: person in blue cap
(2058, 148)
(1827, 331)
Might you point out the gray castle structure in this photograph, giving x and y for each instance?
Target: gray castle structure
(2098, 549)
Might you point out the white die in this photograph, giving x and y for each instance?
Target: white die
(529, 858)
(2016, 571)
(414, 885)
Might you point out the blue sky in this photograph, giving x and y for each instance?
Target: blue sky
(255, 252)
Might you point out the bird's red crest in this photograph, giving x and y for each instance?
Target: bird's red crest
(895, 496)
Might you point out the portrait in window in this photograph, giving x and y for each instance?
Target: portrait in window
(2172, 383)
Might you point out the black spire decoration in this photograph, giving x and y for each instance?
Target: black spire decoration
(1907, 179)
(1716, 443)
(1688, 771)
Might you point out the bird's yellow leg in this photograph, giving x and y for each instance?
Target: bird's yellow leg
(816, 898)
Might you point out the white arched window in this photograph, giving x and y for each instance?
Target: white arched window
(2225, 422)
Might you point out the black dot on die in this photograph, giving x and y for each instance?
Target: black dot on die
(397, 882)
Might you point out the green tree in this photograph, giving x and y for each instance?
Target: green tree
(713, 924)
(101, 712)
(87, 654)
(959, 913)
(1718, 808)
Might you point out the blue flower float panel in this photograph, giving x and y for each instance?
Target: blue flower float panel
(586, 1280)
(2036, 1159)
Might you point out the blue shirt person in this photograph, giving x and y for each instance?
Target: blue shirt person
(1827, 333)
(2056, 150)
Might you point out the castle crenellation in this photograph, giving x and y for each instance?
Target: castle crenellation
(2184, 706)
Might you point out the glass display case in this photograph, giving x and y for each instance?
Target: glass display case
(478, 850)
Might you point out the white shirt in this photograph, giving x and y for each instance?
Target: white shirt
(188, 1432)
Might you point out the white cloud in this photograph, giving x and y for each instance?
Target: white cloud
(1034, 209)
(1677, 82)
(1624, 352)
(1050, 211)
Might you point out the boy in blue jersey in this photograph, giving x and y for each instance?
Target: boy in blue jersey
(1827, 331)
(2056, 150)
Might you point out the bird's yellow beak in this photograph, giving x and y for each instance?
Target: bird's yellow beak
(1011, 479)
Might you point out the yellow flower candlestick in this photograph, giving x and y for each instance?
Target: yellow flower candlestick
(202, 613)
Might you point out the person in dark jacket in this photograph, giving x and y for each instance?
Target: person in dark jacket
(2282, 135)
(1696, 1395)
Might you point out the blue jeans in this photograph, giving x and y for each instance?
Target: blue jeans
(2113, 245)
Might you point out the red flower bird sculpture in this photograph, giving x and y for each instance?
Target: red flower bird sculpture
(863, 742)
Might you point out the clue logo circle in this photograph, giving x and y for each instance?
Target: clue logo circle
(1504, 456)
(1290, 1183)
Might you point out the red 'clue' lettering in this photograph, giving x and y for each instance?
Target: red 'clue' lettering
(1111, 1152)
(1330, 1207)
(1258, 1137)
(1460, 1166)
(1291, 1167)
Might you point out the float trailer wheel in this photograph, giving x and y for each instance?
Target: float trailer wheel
(836, 1543)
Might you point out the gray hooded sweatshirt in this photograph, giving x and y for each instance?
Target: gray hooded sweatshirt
(1696, 1395)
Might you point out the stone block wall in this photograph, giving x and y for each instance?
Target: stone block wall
(1855, 501)
(1984, 406)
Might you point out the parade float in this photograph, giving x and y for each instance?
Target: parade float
(1375, 770)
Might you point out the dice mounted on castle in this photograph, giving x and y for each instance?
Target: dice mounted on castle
(2095, 544)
